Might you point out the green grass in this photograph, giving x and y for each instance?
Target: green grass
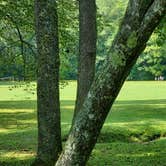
(133, 134)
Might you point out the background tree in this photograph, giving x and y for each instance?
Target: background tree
(87, 50)
(17, 39)
(110, 14)
(18, 44)
(68, 38)
(151, 64)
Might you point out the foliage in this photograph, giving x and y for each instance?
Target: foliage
(17, 55)
(18, 45)
(154, 59)
(152, 62)
(17, 39)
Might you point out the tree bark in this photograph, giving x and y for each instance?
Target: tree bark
(140, 20)
(48, 105)
(87, 50)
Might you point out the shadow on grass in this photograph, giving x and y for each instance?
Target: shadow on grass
(124, 135)
(141, 102)
(22, 139)
(22, 162)
(18, 148)
(19, 118)
(23, 104)
(137, 110)
(29, 104)
(125, 154)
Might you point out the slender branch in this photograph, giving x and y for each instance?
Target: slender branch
(22, 42)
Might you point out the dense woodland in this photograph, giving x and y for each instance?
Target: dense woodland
(18, 44)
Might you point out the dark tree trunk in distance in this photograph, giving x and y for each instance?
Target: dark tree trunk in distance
(48, 107)
(140, 20)
(87, 50)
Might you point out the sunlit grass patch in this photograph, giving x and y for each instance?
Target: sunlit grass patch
(3, 130)
(20, 155)
(16, 158)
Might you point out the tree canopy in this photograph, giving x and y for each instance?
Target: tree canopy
(18, 44)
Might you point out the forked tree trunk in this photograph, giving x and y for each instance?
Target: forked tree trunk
(48, 107)
(87, 50)
(140, 20)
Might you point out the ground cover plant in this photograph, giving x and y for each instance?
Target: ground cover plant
(133, 134)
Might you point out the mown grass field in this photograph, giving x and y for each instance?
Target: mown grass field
(134, 133)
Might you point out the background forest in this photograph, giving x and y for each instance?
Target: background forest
(18, 44)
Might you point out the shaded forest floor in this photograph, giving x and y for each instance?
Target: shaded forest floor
(133, 134)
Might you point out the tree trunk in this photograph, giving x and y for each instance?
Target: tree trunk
(87, 50)
(48, 105)
(140, 20)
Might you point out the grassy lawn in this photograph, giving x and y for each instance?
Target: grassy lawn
(133, 134)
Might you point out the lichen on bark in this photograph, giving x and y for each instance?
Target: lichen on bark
(117, 58)
(132, 40)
